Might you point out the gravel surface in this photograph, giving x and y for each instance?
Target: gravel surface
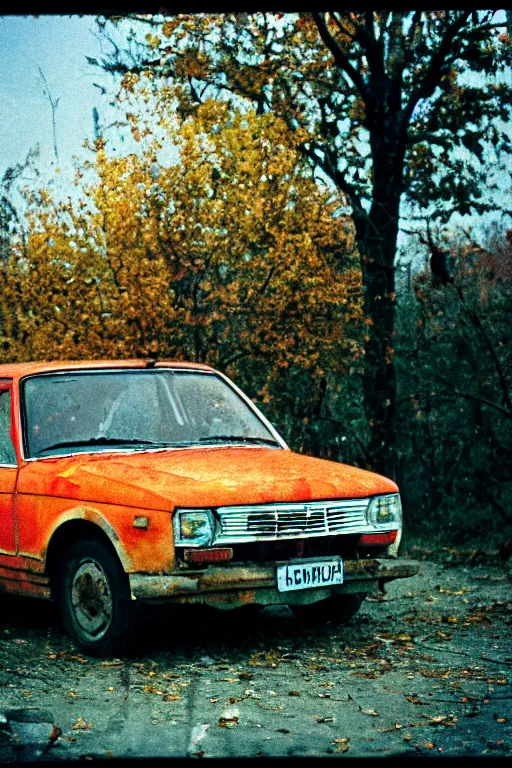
(424, 669)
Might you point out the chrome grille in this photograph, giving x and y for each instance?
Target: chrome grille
(268, 522)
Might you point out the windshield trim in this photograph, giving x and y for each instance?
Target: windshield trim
(132, 451)
(280, 443)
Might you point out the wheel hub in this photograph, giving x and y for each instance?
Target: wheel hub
(92, 599)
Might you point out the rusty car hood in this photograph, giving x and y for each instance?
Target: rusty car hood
(198, 477)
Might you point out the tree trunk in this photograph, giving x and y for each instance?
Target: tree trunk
(376, 238)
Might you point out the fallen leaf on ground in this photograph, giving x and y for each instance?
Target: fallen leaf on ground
(228, 722)
(441, 719)
(477, 617)
(81, 725)
(369, 712)
(414, 699)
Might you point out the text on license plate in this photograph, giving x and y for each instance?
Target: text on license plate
(303, 576)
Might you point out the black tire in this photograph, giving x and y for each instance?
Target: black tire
(94, 597)
(339, 609)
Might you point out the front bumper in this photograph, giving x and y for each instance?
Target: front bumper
(233, 586)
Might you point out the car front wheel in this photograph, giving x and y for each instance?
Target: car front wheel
(94, 597)
(339, 609)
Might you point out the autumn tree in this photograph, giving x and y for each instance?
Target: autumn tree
(226, 252)
(390, 106)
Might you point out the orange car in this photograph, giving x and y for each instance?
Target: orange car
(133, 480)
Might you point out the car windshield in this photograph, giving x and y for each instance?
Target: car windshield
(135, 409)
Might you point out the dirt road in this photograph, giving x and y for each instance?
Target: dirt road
(426, 668)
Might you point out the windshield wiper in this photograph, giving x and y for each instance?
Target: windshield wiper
(237, 439)
(109, 441)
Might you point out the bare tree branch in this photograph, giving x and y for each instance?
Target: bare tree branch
(54, 104)
(340, 58)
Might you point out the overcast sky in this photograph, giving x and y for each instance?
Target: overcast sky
(59, 46)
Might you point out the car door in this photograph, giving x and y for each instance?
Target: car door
(8, 473)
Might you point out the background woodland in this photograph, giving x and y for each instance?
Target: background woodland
(256, 226)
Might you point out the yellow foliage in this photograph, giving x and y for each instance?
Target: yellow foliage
(233, 256)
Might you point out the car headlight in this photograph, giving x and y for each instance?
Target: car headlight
(193, 527)
(385, 511)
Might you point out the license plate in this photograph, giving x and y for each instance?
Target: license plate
(307, 575)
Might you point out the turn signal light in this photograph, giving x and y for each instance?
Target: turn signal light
(215, 555)
(376, 539)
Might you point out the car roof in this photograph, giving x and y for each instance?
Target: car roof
(17, 370)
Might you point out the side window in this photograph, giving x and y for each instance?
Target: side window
(7, 453)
